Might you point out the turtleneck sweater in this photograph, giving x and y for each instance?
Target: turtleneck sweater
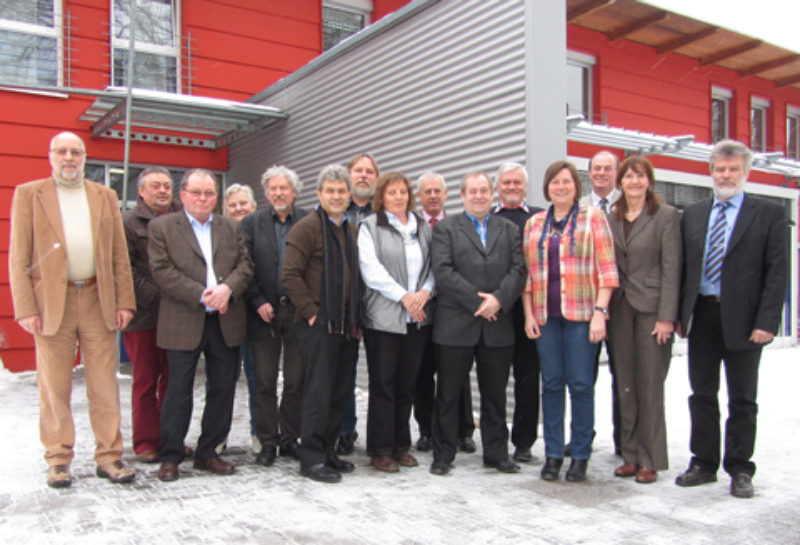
(77, 222)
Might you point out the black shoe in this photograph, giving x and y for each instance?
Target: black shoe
(577, 471)
(742, 485)
(290, 450)
(266, 457)
(424, 443)
(440, 468)
(695, 475)
(321, 473)
(523, 455)
(346, 442)
(503, 466)
(342, 466)
(551, 468)
(467, 445)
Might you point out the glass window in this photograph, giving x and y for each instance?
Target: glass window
(793, 133)
(758, 124)
(29, 42)
(579, 84)
(340, 22)
(157, 46)
(720, 114)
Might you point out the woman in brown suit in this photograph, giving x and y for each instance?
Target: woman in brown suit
(643, 312)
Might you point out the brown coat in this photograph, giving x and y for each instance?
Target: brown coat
(179, 270)
(38, 259)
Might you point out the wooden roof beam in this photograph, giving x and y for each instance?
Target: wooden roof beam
(768, 65)
(639, 24)
(788, 81)
(730, 52)
(685, 40)
(588, 7)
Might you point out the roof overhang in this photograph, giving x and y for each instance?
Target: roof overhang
(182, 120)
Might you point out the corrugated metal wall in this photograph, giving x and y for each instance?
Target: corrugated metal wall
(442, 90)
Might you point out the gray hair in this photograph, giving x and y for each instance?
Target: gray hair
(508, 167)
(476, 174)
(280, 170)
(331, 173)
(430, 175)
(235, 188)
(151, 170)
(604, 152)
(730, 149)
(200, 172)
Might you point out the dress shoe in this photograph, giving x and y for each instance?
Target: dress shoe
(405, 458)
(742, 485)
(342, 466)
(168, 472)
(58, 476)
(645, 475)
(626, 470)
(321, 473)
(346, 443)
(551, 468)
(115, 471)
(503, 466)
(424, 443)
(385, 463)
(440, 468)
(467, 445)
(290, 450)
(523, 455)
(148, 456)
(266, 457)
(577, 470)
(694, 476)
(216, 465)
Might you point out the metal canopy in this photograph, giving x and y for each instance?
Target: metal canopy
(182, 120)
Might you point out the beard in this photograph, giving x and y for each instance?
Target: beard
(363, 192)
(728, 192)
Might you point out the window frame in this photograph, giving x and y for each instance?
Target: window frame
(762, 106)
(172, 51)
(723, 96)
(585, 62)
(55, 32)
(793, 113)
(360, 7)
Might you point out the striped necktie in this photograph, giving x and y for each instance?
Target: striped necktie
(604, 205)
(716, 244)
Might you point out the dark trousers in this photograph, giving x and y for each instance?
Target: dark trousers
(393, 361)
(176, 412)
(525, 363)
(328, 363)
(150, 379)
(276, 426)
(455, 363)
(706, 350)
(425, 396)
(615, 414)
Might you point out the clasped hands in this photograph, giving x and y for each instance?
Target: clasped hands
(489, 307)
(218, 297)
(415, 303)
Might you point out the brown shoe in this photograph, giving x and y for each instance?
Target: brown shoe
(216, 465)
(645, 475)
(385, 463)
(148, 456)
(626, 470)
(168, 472)
(58, 476)
(115, 471)
(405, 458)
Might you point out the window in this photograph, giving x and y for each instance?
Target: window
(30, 41)
(342, 19)
(720, 114)
(156, 47)
(793, 132)
(759, 109)
(579, 84)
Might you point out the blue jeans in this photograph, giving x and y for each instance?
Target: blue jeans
(567, 358)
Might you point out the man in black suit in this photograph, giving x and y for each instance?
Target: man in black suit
(270, 316)
(479, 273)
(734, 284)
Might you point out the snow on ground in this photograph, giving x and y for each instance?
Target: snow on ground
(471, 505)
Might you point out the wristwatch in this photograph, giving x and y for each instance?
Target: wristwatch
(604, 310)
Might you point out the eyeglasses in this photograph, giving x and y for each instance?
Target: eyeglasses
(62, 152)
(196, 193)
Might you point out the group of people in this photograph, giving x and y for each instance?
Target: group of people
(504, 286)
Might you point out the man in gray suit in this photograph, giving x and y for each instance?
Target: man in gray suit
(479, 273)
(200, 263)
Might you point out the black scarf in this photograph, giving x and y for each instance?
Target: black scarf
(340, 310)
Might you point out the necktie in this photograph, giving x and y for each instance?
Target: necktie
(716, 244)
(432, 222)
(604, 205)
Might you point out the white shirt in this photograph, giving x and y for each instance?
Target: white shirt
(202, 232)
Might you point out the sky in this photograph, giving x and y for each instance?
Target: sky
(774, 21)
